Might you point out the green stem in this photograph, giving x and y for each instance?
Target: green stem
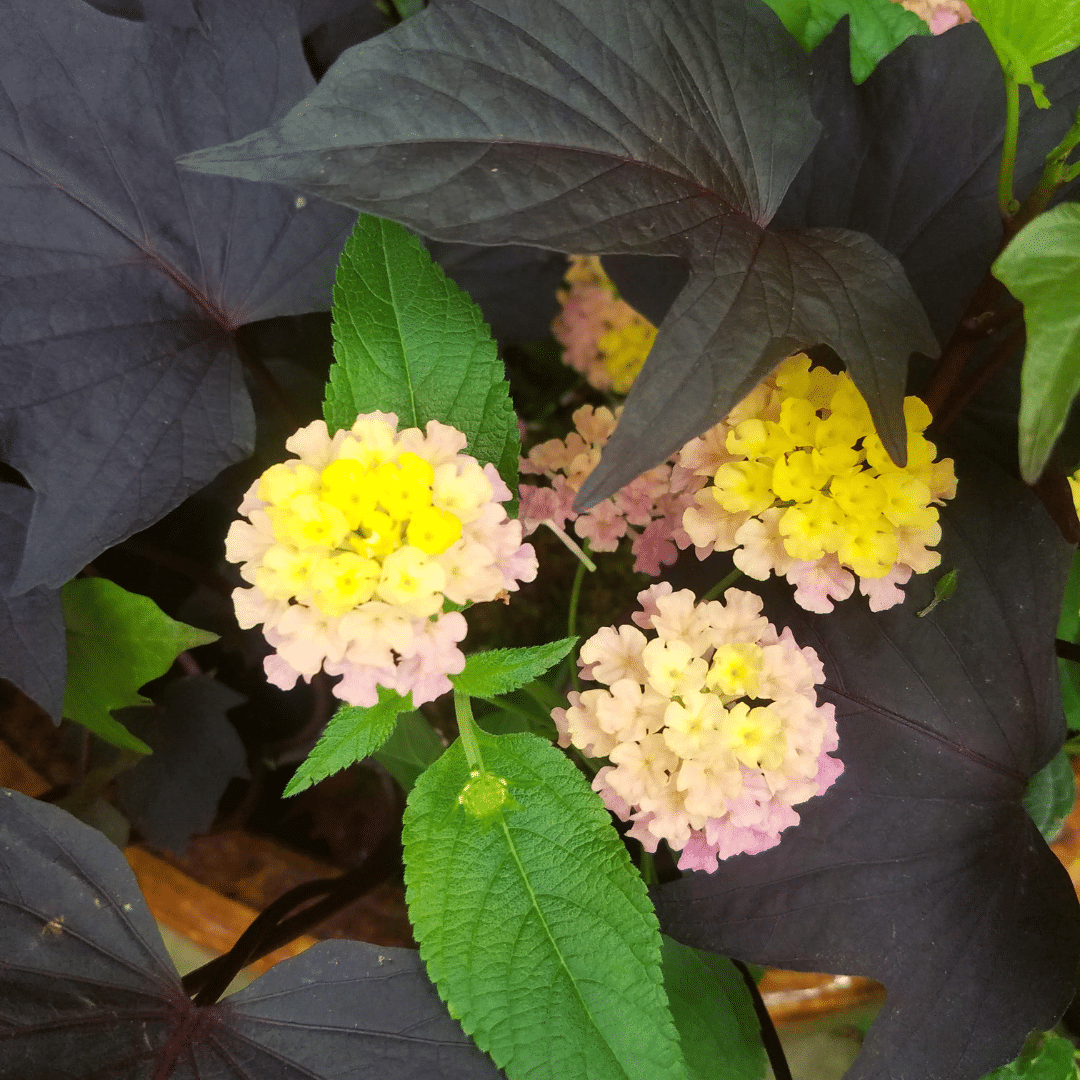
(467, 728)
(647, 869)
(721, 585)
(1056, 172)
(1006, 202)
(571, 622)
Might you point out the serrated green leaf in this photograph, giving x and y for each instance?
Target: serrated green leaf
(534, 925)
(407, 340)
(1050, 795)
(1024, 34)
(1047, 1057)
(354, 733)
(499, 671)
(117, 641)
(411, 748)
(876, 27)
(1041, 268)
(718, 1028)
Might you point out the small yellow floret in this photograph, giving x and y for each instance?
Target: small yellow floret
(404, 486)
(907, 500)
(812, 529)
(461, 495)
(756, 736)
(379, 535)
(859, 493)
(870, 549)
(624, 349)
(744, 485)
(798, 419)
(350, 487)
(307, 521)
(408, 575)
(795, 479)
(343, 581)
(284, 571)
(433, 530)
(736, 670)
(280, 483)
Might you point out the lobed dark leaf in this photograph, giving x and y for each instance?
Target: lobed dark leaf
(920, 867)
(173, 793)
(87, 991)
(120, 380)
(682, 140)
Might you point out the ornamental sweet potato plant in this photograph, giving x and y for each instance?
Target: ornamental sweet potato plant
(766, 313)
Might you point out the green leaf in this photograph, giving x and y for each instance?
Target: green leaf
(413, 746)
(499, 671)
(407, 340)
(1050, 795)
(876, 27)
(718, 1028)
(117, 641)
(1069, 622)
(534, 925)
(1046, 1057)
(1041, 268)
(354, 733)
(1024, 34)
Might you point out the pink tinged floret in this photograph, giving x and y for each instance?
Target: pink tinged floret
(603, 526)
(615, 654)
(279, 672)
(817, 584)
(885, 592)
(762, 550)
(738, 620)
(654, 547)
(359, 684)
(648, 599)
(612, 799)
(641, 832)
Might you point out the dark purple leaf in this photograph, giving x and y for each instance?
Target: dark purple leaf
(33, 651)
(124, 279)
(920, 867)
(911, 157)
(668, 128)
(87, 991)
(173, 793)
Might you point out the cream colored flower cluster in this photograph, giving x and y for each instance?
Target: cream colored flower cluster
(354, 547)
(712, 726)
(802, 487)
(602, 336)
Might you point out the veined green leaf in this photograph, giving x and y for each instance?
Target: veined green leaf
(534, 925)
(354, 733)
(718, 1028)
(1046, 1057)
(407, 340)
(117, 641)
(1041, 268)
(1029, 32)
(1050, 795)
(411, 748)
(499, 671)
(876, 27)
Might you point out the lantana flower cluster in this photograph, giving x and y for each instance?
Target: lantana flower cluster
(647, 509)
(602, 336)
(802, 487)
(712, 726)
(353, 548)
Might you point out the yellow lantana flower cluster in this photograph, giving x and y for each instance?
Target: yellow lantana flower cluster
(802, 487)
(353, 548)
(602, 336)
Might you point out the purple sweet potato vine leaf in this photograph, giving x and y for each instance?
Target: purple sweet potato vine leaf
(87, 991)
(663, 128)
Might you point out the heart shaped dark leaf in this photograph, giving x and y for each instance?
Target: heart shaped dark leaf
(120, 382)
(920, 867)
(911, 157)
(173, 793)
(669, 128)
(87, 991)
(33, 654)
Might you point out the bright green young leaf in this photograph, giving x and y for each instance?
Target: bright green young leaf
(413, 746)
(1041, 268)
(1050, 795)
(534, 925)
(876, 27)
(354, 733)
(499, 671)
(407, 340)
(718, 1028)
(117, 641)
(1046, 1057)
(1029, 32)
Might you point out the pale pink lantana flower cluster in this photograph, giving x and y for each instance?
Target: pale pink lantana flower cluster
(602, 336)
(353, 547)
(712, 726)
(649, 509)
